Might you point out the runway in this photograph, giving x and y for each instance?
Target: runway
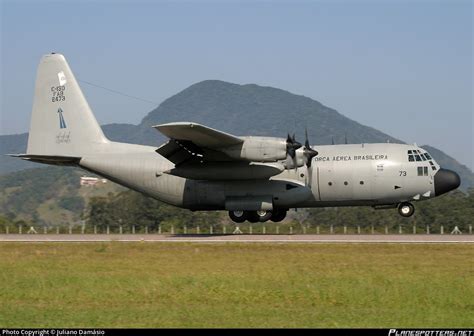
(308, 238)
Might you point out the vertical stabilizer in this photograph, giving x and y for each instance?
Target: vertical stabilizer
(62, 123)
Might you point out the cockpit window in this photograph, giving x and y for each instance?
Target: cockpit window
(417, 155)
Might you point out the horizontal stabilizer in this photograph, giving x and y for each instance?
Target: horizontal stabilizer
(49, 159)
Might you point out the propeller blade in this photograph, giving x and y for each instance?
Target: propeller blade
(308, 152)
(291, 146)
(292, 152)
(306, 141)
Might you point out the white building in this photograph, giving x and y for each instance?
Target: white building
(91, 181)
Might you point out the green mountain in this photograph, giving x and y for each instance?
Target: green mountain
(241, 110)
(257, 110)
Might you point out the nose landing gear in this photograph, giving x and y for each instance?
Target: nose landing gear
(406, 209)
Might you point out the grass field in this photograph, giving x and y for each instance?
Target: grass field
(236, 285)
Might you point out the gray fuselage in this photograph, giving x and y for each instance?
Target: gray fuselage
(362, 174)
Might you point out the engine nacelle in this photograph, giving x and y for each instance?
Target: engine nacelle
(297, 162)
(258, 149)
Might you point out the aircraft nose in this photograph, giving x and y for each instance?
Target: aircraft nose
(445, 180)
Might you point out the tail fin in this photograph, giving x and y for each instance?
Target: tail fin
(62, 123)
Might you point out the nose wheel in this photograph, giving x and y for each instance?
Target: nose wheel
(406, 209)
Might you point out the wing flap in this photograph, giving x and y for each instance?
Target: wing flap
(175, 152)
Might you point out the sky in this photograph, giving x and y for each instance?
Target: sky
(403, 67)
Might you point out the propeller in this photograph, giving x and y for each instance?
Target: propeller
(291, 146)
(308, 155)
(308, 152)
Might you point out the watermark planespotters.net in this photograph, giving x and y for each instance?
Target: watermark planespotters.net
(415, 332)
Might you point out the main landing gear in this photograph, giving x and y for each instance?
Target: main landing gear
(406, 209)
(240, 216)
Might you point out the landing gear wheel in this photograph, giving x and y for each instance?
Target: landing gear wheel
(238, 216)
(278, 215)
(252, 216)
(264, 215)
(406, 209)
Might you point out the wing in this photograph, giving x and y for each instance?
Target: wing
(199, 135)
(200, 153)
(191, 142)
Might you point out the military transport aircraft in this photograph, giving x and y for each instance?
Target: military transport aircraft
(254, 178)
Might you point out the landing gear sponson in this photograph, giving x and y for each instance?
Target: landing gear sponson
(240, 216)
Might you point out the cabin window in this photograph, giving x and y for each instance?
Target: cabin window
(361, 182)
(330, 183)
(420, 171)
(346, 183)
